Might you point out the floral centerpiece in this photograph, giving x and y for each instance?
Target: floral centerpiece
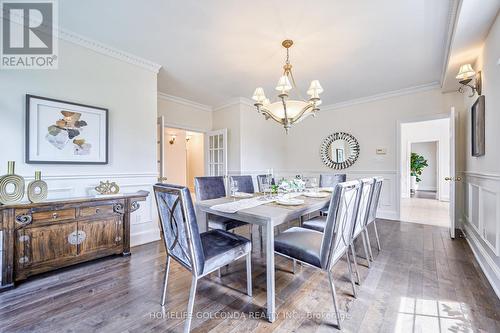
(292, 185)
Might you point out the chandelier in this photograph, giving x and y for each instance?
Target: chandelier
(287, 111)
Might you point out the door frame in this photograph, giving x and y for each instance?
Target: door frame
(413, 119)
(438, 170)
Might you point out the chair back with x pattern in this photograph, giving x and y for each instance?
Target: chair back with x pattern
(339, 223)
(179, 227)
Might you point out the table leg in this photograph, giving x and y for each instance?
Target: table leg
(271, 311)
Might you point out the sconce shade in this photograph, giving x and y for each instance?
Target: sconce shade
(466, 72)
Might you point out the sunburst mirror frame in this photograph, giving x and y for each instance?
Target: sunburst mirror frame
(325, 148)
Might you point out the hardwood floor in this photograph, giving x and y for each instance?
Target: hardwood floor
(421, 281)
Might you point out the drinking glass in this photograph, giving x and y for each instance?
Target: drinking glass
(313, 182)
(234, 188)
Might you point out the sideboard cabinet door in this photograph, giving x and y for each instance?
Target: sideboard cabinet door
(38, 246)
(100, 236)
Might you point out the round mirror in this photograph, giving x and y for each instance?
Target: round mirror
(339, 150)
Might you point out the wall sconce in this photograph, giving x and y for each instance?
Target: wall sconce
(172, 139)
(465, 76)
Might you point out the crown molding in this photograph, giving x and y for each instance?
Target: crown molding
(107, 50)
(235, 101)
(453, 15)
(183, 101)
(377, 97)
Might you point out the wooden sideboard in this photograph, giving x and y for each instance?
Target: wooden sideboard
(40, 237)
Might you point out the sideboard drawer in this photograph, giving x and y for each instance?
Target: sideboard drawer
(54, 215)
(96, 210)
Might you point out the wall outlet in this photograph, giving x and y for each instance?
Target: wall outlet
(381, 151)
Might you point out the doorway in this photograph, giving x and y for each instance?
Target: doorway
(181, 156)
(425, 164)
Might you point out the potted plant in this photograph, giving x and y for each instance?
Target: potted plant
(417, 165)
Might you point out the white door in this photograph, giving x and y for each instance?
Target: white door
(216, 153)
(160, 149)
(452, 178)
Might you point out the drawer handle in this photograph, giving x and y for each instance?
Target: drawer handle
(55, 216)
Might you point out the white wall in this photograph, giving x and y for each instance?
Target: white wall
(481, 185)
(184, 114)
(423, 131)
(230, 117)
(85, 76)
(429, 174)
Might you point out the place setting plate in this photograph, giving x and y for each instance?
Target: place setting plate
(316, 194)
(242, 195)
(289, 202)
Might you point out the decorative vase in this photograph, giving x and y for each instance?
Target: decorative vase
(37, 189)
(414, 183)
(11, 186)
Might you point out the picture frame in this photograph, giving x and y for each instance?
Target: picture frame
(478, 127)
(62, 132)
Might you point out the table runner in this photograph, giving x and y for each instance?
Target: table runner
(235, 206)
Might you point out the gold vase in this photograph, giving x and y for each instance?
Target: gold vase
(11, 186)
(37, 189)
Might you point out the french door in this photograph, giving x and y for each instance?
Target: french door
(216, 153)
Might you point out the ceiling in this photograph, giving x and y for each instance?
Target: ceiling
(212, 51)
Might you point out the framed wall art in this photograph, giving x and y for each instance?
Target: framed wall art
(477, 127)
(60, 132)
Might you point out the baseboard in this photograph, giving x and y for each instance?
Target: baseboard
(144, 237)
(387, 215)
(490, 270)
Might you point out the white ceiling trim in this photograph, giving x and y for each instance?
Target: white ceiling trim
(107, 50)
(377, 97)
(452, 26)
(101, 48)
(234, 101)
(184, 101)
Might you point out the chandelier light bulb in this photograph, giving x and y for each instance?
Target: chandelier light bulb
(284, 85)
(259, 96)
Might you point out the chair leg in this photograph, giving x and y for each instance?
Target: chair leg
(294, 266)
(219, 274)
(367, 255)
(251, 234)
(376, 235)
(249, 274)
(369, 244)
(334, 296)
(354, 260)
(165, 282)
(354, 293)
(192, 293)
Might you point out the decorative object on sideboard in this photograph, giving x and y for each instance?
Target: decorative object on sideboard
(37, 189)
(59, 132)
(478, 127)
(11, 185)
(465, 76)
(286, 111)
(107, 188)
(339, 150)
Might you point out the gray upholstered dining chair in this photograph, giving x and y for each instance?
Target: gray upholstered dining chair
(323, 250)
(372, 214)
(200, 254)
(245, 184)
(330, 180)
(319, 223)
(212, 187)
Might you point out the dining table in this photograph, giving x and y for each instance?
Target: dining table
(268, 215)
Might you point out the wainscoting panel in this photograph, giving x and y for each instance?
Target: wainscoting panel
(144, 222)
(481, 218)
